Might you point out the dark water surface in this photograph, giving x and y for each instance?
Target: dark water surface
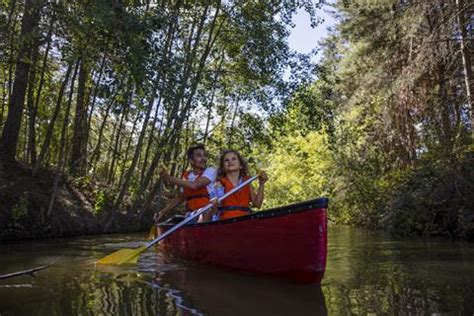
(367, 273)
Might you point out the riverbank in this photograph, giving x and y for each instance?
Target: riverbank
(25, 200)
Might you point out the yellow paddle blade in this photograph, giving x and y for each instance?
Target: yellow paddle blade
(122, 256)
(153, 233)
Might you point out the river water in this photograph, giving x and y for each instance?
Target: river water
(367, 273)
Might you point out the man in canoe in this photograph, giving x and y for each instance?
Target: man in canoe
(195, 184)
(233, 170)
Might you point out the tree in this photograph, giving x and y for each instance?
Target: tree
(11, 129)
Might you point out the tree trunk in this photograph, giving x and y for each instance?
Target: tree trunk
(11, 129)
(77, 162)
(49, 132)
(231, 133)
(156, 189)
(62, 146)
(6, 91)
(150, 140)
(211, 102)
(177, 120)
(118, 144)
(32, 130)
(11, 58)
(94, 97)
(32, 110)
(466, 58)
(136, 155)
(96, 152)
(166, 50)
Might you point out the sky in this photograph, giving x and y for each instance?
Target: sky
(303, 37)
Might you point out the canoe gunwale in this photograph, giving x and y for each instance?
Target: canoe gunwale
(319, 203)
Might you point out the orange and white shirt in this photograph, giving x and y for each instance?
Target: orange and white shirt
(198, 198)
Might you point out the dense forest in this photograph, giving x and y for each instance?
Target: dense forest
(96, 95)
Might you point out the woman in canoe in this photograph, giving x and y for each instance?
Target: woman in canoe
(232, 171)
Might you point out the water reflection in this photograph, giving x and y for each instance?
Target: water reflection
(373, 273)
(218, 292)
(368, 273)
(74, 286)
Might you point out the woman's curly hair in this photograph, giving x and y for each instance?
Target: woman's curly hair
(244, 170)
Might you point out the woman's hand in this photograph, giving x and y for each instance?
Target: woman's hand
(262, 177)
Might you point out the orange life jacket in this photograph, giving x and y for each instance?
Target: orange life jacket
(195, 199)
(237, 204)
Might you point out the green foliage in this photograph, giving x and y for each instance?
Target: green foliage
(20, 209)
(398, 167)
(383, 131)
(434, 199)
(390, 159)
(298, 169)
(100, 202)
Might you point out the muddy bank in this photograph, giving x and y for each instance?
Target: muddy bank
(24, 201)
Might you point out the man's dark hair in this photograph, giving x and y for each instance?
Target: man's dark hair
(191, 150)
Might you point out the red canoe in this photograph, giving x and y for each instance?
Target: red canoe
(288, 241)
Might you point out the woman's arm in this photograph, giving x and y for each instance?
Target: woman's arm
(257, 198)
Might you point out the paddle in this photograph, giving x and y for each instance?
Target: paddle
(124, 256)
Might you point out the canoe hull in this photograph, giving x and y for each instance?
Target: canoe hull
(289, 242)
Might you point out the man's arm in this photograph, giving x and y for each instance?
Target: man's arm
(166, 211)
(193, 185)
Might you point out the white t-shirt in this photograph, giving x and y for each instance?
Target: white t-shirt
(210, 173)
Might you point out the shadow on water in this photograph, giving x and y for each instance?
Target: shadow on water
(367, 273)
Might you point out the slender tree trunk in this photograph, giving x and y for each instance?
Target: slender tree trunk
(11, 59)
(96, 152)
(32, 111)
(184, 159)
(211, 102)
(176, 168)
(168, 138)
(118, 144)
(6, 92)
(127, 150)
(112, 155)
(49, 132)
(62, 146)
(4, 97)
(32, 130)
(94, 97)
(10, 14)
(150, 140)
(177, 120)
(168, 45)
(77, 162)
(157, 187)
(136, 205)
(138, 148)
(12, 125)
(466, 58)
(231, 133)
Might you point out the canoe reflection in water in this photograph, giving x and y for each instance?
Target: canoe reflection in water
(214, 291)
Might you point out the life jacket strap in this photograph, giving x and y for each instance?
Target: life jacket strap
(234, 208)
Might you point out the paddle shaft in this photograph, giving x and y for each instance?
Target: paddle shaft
(198, 212)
